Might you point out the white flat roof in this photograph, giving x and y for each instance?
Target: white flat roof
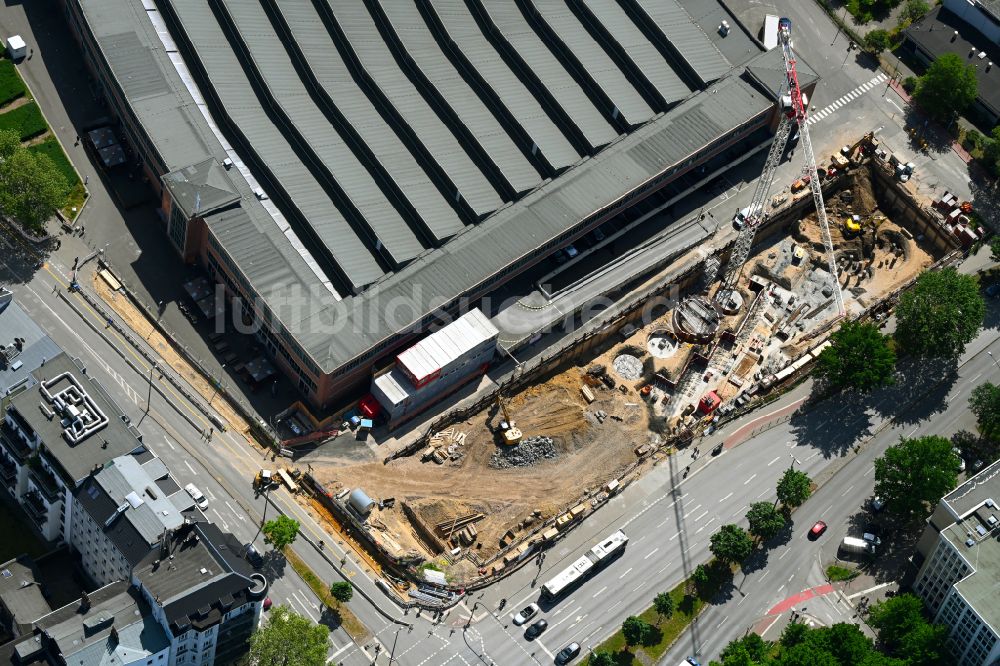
(442, 347)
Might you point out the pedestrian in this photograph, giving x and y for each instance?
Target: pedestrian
(31, 54)
(86, 179)
(77, 142)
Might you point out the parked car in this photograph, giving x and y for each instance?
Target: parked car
(877, 503)
(571, 251)
(267, 604)
(961, 461)
(817, 530)
(525, 614)
(801, 183)
(254, 557)
(872, 539)
(567, 653)
(536, 630)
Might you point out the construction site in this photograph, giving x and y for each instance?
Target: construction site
(496, 485)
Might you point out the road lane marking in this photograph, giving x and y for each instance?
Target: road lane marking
(651, 553)
(211, 496)
(763, 576)
(190, 468)
(762, 494)
(844, 494)
(675, 536)
(639, 588)
(725, 498)
(705, 513)
(722, 623)
(752, 477)
(870, 471)
(745, 597)
(625, 574)
(598, 593)
(221, 519)
(236, 513)
(869, 590)
(774, 461)
(785, 553)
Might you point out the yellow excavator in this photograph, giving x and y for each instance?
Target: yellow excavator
(511, 433)
(855, 223)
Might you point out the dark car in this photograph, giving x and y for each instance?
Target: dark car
(817, 530)
(536, 629)
(254, 557)
(567, 653)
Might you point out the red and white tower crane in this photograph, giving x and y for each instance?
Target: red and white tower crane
(793, 113)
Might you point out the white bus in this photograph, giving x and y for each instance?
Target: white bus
(770, 31)
(602, 553)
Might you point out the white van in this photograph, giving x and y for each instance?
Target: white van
(857, 546)
(196, 495)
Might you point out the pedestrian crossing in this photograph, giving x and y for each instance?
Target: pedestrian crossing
(817, 116)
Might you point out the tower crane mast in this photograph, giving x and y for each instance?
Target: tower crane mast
(793, 113)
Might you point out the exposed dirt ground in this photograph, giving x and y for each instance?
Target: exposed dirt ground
(589, 454)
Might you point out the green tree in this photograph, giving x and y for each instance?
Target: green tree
(925, 645)
(342, 591)
(664, 605)
(794, 633)
(915, 9)
(848, 644)
(915, 473)
(280, 532)
(765, 520)
(985, 404)
(32, 189)
(288, 639)
(735, 654)
(940, 315)
(752, 645)
(794, 488)
(991, 156)
(947, 88)
(10, 143)
(731, 543)
(701, 577)
(877, 40)
(858, 357)
(894, 618)
(995, 248)
(602, 658)
(636, 630)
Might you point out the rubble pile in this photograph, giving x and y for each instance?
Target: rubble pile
(528, 452)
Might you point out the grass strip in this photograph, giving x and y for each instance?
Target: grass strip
(26, 120)
(348, 620)
(687, 604)
(11, 85)
(839, 573)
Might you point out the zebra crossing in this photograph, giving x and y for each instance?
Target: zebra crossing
(817, 116)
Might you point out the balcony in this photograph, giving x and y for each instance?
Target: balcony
(8, 470)
(12, 441)
(36, 508)
(45, 481)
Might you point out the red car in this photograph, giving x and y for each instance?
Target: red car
(267, 604)
(817, 529)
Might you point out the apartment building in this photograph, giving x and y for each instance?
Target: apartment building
(959, 579)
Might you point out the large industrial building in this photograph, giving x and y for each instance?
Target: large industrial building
(357, 171)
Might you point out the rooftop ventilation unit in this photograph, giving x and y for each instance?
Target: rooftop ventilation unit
(989, 503)
(970, 543)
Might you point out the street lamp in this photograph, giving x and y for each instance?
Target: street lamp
(993, 358)
(794, 459)
(393, 651)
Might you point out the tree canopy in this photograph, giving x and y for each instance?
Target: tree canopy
(905, 638)
(947, 88)
(288, 639)
(765, 520)
(915, 473)
(985, 404)
(941, 314)
(859, 357)
(905, 631)
(914, 9)
(877, 40)
(280, 532)
(794, 487)
(31, 187)
(731, 543)
(602, 658)
(342, 591)
(663, 603)
(636, 630)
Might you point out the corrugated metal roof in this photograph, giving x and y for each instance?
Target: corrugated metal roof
(412, 32)
(443, 347)
(736, 46)
(332, 73)
(645, 57)
(512, 27)
(365, 194)
(462, 29)
(594, 61)
(363, 37)
(519, 230)
(393, 386)
(689, 40)
(243, 106)
(153, 89)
